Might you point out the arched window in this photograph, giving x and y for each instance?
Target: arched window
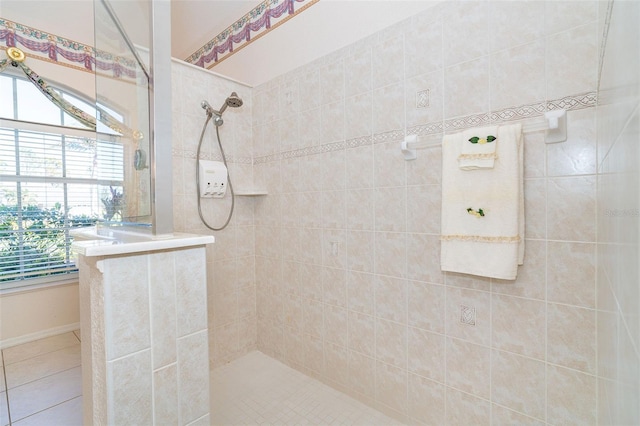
(54, 176)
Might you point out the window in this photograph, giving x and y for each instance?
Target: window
(52, 179)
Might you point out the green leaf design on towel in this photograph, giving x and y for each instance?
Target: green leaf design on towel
(476, 213)
(481, 141)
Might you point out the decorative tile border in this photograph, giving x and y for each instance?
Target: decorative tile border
(52, 48)
(181, 153)
(393, 135)
(267, 16)
(522, 112)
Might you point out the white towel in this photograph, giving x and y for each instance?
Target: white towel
(479, 148)
(483, 210)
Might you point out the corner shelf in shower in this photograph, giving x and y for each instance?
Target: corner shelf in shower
(251, 192)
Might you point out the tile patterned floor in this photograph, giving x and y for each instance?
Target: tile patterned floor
(257, 390)
(41, 384)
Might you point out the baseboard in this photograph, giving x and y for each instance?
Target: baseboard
(14, 341)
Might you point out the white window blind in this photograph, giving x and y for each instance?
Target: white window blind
(51, 180)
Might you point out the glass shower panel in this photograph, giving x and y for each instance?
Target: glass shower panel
(122, 40)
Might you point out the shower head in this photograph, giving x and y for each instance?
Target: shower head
(232, 101)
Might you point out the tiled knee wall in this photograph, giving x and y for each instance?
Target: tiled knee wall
(148, 359)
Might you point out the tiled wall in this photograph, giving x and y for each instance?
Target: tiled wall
(618, 212)
(230, 260)
(145, 338)
(349, 287)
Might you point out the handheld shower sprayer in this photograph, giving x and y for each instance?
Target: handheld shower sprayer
(232, 101)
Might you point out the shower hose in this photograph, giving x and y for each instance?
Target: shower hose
(224, 160)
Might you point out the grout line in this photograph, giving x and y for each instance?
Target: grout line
(6, 387)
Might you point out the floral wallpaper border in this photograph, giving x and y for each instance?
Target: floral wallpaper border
(53, 48)
(265, 17)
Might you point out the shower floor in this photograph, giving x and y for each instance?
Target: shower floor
(40, 383)
(257, 389)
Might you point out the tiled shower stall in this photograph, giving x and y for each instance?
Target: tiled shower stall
(336, 271)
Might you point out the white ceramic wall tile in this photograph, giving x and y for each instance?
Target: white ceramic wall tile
(571, 337)
(126, 321)
(332, 122)
(423, 47)
(503, 416)
(510, 67)
(465, 409)
(358, 72)
(426, 354)
(358, 113)
(468, 367)
(193, 385)
(191, 290)
(420, 267)
(462, 38)
(426, 306)
(515, 23)
(391, 299)
(165, 395)
(571, 272)
(572, 61)
(163, 308)
(391, 343)
(571, 396)
(388, 108)
(562, 15)
(426, 400)
(130, 389)
(518, 383)
(535, 208)
(360, 292)
(390, 254)
(571, 208)
(518, 325)
(391, 386)
(467, 88)
(388, 62)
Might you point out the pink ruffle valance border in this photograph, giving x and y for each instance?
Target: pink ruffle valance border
(52, 47)
(259, 20)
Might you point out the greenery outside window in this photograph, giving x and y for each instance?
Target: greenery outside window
(51, 181)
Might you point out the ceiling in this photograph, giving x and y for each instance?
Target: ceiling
(195, 22)
(319, 30)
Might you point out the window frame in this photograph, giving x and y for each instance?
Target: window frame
(68, 272)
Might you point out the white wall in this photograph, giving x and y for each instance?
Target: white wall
(33, 314)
